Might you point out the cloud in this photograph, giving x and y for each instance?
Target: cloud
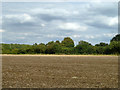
(54, 11)
(109, 21)
(21, 17)
(47, 17)
(72, 26)
(52, 36)
(109, 9)
(76, 36)
(43, 25)
(109, 34)
(0, 21)
(89, 36)
(20, 37)
(39, 22)
(113, 21)
(1, 30)
(104, 22)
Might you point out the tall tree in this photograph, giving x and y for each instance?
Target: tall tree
(101, 44)
(52, 48)
(116, 38)
(84, 48)
(115, 47)
(67, 42)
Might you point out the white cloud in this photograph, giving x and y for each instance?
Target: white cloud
(76, 36)
(49, 11)
(110, 21)
(89, 36)
(43, 25)
(102, 20)
(113, 21)
(21, 17)
(0, 20)
(26, 18)
(1, 30)
(72, 26)
(55, 11)
(20, 37)
(51, 36)
(54, 36)
(109, 34)
(62, 19)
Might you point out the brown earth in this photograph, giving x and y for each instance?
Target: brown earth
(59, 71)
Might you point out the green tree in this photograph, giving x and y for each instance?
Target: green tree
(116, 38)
(67, 42)
(84, 48)
(101, 48)
(30, 51)
(42, 47)
(21, 51)
(58, 42)
(101, 44)
(115, 47)
(52, 48)
(107, 50)
(15, 51)
(67, 50)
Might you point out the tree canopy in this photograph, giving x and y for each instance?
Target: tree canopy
(116, 38)
(67, 42)
(66, 46)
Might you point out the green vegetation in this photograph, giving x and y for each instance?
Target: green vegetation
(64, 47)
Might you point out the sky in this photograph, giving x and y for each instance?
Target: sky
(41, 22)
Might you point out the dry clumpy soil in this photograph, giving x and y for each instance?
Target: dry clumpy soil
(44, 71)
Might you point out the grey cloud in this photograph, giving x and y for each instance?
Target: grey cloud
(44, 25)
(101, 25)
(106, 8)
(47, 17)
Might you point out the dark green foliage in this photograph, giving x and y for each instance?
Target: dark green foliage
(66, 50)
(64, 47)
(53, 48)
(116, 38)
(101, 48)
(84, 48)
(42, 47)
(58, 42)
(30, 51)
(14, 48)
(101, 44)
(21, 51)
(115, 47)
(67, 42)
(115, 44)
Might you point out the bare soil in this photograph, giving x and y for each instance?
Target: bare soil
(59, 71)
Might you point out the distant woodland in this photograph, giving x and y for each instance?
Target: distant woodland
(64, 47)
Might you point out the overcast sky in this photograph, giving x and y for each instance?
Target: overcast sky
(41, 22)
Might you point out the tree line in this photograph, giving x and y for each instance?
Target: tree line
(64, 47)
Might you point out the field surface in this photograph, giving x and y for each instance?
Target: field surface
(59, 71)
